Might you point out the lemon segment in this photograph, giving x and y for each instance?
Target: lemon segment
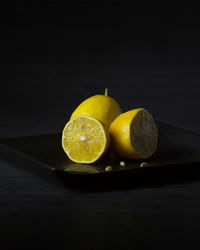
(84, 139)
(134, 134)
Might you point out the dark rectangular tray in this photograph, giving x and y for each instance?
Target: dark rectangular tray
(177, 158)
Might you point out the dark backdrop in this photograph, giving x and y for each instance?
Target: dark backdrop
(54, 54)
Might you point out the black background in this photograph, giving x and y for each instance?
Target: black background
(54, 54)
(57, 53)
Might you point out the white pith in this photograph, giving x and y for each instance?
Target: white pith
(82, 138)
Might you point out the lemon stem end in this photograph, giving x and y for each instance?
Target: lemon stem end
(106, 92)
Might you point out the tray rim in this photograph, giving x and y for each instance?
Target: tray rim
(48, 167)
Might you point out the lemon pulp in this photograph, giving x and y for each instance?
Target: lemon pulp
(143, 134)
(84, 139)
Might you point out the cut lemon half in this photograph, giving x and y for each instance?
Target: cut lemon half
(84, 139)
(134, 134)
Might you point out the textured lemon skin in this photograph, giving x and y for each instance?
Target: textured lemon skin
(103, 108)
(120, 134)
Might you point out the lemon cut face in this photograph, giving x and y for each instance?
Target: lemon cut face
(144, 134)
(84, 139)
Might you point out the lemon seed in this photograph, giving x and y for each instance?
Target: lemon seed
(108, 168)
(144, 164)
(122, 164)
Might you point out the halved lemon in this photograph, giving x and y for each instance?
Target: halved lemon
(84, 139)
(134, 134)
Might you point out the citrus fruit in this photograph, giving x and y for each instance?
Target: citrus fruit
(134, 134)
(101, 107)
(84, 139)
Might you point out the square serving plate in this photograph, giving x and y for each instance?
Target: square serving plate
(177, 158)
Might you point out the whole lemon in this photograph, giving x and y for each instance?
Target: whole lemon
(101, 107)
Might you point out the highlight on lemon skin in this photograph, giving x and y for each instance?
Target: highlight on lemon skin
(134, 134)
(101, 107)
(84, 139)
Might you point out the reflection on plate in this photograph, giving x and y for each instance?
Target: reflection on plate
(82, 169)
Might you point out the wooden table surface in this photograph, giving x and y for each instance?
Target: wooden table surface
(55, 54)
